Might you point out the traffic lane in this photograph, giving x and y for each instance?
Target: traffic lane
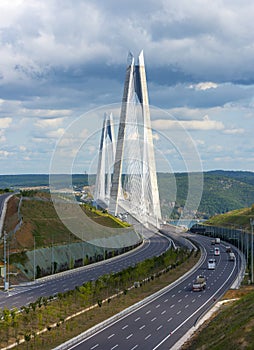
(174, 311)
(24, 295)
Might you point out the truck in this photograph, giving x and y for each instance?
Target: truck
(231, 256)
(217, 240)
(199, 283)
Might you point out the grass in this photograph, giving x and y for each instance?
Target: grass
(239, 217)
(231, 328)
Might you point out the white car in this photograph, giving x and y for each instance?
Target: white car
(216, 251)
(211, 264)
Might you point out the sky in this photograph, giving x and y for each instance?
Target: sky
(62, 66)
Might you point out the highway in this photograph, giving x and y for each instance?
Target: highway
(51, 285)
(160, 323)
(3, 197)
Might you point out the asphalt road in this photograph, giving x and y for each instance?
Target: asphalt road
(49, 286)
(2, 200)
(160, 323)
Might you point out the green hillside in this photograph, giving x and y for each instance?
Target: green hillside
(223, 191)
(238, 217)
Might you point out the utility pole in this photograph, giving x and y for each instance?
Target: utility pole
(251, 224)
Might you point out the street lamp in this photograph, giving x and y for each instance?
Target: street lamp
(251, 224)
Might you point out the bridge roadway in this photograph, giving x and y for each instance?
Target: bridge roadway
(160, 323)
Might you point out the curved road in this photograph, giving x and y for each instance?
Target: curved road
(48, 286)
(160, 323)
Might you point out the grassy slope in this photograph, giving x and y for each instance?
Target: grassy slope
(239, 217)
(231, 328)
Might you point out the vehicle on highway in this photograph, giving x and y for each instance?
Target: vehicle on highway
(228, 249)
(199, 283)
(217, 240)
(216, 251)
(213, 241)
(211, 264)
(231, 256)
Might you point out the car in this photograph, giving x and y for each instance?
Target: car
(228, 249)
(213, 241)
(216, 251)
(211, 264)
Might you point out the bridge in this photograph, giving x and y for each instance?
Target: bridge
(126, 182)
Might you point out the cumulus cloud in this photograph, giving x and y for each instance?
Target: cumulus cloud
(205, 124)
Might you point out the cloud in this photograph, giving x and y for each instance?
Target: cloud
(204, 86)
(205, 124)
(49, 123)
(234, 131)
(5, 122)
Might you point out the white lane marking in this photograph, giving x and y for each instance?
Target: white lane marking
(129, 336)
(142, 327)
(172, 306)
(153, 319)
(137, 319)
(158, 306)
(111, 335)
(186, 296)
(134, 347)
(114, 347)
(169, 319)
(163, 312)
(193, 301)
(148, 312)
(148, 336)
(95, 346)
(173, 295)
(179, 312)
(180, 300)
(186, 306)
(165, 300)
(195, 312)
(125, 326)
(180, 291)
(159, 328)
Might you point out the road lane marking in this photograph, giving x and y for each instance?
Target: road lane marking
(134, 347)
(165, 300)
(125, 326)
(159, 328)
(186, 306)
(148, 336)
(153, 319)
(180, 300)
(142, 327)
(95, 346)
(179, 312)
(114, 347)
(129, 336)
(157, 306)
(111, 335)
(137, 319)
(172, 306)
(163, 312)
(148, 312)
(169, 319)
(173, 295)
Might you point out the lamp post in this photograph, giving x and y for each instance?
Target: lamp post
(6, 287)
(251, 224)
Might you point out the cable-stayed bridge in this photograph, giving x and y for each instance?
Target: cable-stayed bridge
(126, 180)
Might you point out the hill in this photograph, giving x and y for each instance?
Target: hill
(223, 191)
